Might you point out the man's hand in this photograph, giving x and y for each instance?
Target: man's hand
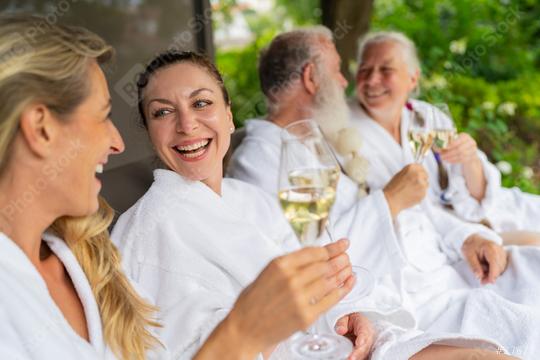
(359, 330)
(487, 259)
(407, 188)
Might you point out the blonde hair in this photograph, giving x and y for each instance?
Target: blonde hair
(49, 63)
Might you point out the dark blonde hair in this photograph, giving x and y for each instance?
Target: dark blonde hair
(46, 63)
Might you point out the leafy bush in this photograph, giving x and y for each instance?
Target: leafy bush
(481, 57)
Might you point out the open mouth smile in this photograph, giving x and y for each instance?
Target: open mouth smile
(193, 151)
(375, 94)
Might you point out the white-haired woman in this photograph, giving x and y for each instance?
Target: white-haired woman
(386, 82)
(64, 295)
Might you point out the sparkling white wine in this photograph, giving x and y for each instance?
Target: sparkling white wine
(307, 209)
(443, 138)
(421, 141)
(321, 177)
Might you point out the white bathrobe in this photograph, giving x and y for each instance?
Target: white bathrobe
(195, 251)
(256, 161)
(32, 325)
(506, 209)
(436, 279)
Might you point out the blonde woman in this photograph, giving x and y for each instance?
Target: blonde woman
(64, 295)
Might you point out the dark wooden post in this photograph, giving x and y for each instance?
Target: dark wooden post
(348, 19)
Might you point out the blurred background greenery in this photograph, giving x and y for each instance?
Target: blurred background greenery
(480, 57)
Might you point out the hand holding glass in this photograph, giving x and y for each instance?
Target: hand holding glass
(308, 178)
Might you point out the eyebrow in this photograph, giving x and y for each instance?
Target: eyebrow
(196, 92)
(160, 100)
(384, 63)
(193, 94)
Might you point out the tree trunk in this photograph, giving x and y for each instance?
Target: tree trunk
(348, 19)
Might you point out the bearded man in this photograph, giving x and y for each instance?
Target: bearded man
(300, 77)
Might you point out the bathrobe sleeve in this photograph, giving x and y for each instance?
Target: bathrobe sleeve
(454, 231)
(464, 204)
(397, 340)
(368, 224)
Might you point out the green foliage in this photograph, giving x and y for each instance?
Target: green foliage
(481, 57)
(242, 82)
(305, 12)
(239, 65)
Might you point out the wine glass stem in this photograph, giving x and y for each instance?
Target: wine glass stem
(327, 227)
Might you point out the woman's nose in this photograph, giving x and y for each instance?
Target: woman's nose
(186, 123)
(373, 77)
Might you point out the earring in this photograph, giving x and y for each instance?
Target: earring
(231, 129)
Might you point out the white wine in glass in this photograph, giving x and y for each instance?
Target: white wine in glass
(314, 177)
(443, 137)
(420, 140)
(445, 133)
(308, 177)
(307, 203)
(444, 129)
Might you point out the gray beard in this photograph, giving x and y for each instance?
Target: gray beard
(331, 111)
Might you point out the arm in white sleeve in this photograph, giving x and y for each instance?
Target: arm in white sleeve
(397, 343)
(368, 224)
(454, 231)
(464, 204)
(400, 342)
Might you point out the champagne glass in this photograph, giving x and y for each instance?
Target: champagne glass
(308, 178)
(444, 129)
(420, 135)
(445, 132)
(309, 174)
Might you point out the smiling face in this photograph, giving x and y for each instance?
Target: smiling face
(189, 122)
(85, 140)
(384, 80)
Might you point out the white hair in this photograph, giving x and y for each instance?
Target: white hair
(407, 46)
(320, 30)
(330, 109)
